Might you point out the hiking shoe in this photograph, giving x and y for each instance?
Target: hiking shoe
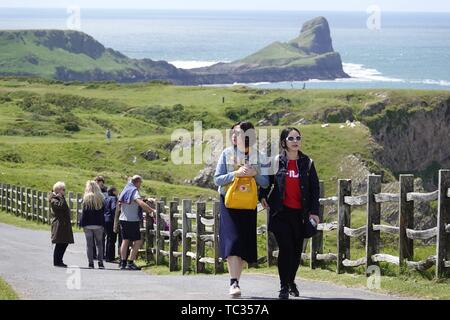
(235, 290)
(91, 265)
(293, 290)
(100, 265)
(60, 265)
(284, 293)
(132, 266)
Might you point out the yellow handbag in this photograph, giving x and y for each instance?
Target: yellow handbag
(242, 194)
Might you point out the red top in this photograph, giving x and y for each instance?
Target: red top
(292, 192)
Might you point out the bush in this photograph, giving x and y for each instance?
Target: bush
(236, 113)
(11, 156)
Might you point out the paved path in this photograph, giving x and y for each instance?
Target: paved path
(26, 264)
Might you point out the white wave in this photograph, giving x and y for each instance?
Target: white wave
(358, 72)
(192, 64)
(443, 83)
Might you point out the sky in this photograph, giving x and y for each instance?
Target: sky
(284, 5)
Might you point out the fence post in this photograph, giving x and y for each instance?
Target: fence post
(78, 199)
(33, 205)
(22, 202)
(443, 220)
(218, 263)
(39, 207)
(173, 238)
(8, 198)
(343, 243)
(163, 199)
(159, 227)
(186, 241)
(373, 217)
(70, 204)
(50, 212)
(28, 202)
(317, 240)
(14, 202)
(1, 195)
(406, 220)
(200, 244)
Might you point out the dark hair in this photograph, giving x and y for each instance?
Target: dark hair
(111, 190)
(99, 178)
(245, 126)
(285, 134)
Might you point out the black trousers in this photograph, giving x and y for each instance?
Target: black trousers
(110, 238)
(58, 253)
(287, 227)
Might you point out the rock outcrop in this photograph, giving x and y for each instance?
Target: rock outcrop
(309, 56)
(45, 53)
(414, 137)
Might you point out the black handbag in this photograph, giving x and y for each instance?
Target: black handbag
(309, 230)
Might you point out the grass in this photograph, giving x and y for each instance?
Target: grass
(20, 222)
(6, 292)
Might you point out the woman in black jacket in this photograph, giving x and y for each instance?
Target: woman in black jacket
(293, 200)
(93, 221)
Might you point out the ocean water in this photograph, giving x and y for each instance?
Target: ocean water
(411, 50)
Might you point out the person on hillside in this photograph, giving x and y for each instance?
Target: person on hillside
(111, 236)
(293, 201)
(131, 207)
(61, 230)
(108, 135)
(237, 238)
(92, 221)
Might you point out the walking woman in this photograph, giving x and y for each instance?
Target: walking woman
(293, 201)
(93, 221)
(238, 226)
(61, 233)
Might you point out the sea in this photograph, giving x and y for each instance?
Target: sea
(397, 50)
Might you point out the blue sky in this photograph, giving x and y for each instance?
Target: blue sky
(320, 5)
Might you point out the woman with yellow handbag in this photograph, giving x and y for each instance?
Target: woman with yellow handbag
(238, 175)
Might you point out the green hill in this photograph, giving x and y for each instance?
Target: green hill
(53, 130)
(73, 55)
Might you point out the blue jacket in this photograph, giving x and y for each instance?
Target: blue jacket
(228, 163)
(110, 208)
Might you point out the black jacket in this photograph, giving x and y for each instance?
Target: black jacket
(92, 217)
(309, 184)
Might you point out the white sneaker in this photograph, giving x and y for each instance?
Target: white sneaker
(235, 291)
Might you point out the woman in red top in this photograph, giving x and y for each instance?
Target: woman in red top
(292, 201)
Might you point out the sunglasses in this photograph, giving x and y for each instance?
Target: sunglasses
(291, 139)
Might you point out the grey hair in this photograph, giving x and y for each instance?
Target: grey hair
(136, 178)
(58, 185)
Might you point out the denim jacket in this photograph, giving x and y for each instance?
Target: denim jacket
(228, 163)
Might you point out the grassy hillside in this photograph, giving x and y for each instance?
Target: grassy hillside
(51, 130)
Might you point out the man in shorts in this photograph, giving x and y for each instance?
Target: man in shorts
(131, 208)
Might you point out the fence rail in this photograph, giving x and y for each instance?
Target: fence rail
(192, 229)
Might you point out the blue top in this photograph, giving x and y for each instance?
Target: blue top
(110, 208)
(228, 163)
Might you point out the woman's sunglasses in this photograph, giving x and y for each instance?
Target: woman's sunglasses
(291, 139)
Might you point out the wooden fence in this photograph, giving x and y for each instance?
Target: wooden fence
(192, 228)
